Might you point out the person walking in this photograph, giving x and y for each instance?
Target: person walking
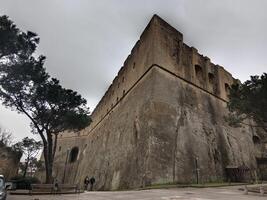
(92, 182)
(86, 183)
(56, 186)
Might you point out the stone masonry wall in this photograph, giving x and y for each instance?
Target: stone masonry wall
(115, 153)
(163, 45)
(163, 111)
(9, 162)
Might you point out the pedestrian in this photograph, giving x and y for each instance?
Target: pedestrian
(92, 182)
(56, 186)
(86, 183)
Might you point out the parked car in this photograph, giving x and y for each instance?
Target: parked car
(3, 192)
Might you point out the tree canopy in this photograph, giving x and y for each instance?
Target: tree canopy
(6, 138)
(30, 148)
(249, 101)
(26, 87)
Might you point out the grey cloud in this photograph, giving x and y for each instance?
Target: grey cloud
(87, 41)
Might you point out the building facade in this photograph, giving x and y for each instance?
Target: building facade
(160, 121)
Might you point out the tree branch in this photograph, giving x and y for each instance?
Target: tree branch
(40, 131)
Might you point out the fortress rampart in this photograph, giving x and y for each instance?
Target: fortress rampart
(162, 45)
(163, 111)
(180, 59)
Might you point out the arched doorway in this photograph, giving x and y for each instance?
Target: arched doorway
(74, 154)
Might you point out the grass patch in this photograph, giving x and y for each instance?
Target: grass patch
(194, 185)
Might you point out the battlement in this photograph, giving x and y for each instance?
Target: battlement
(162, 44)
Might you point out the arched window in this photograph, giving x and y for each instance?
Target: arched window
(256, 139)
(74, 154)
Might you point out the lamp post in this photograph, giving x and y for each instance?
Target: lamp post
(197, 169)
(66, 162)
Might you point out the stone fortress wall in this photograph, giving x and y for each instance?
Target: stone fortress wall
(163, 111)
(161, 44)
(170, 53)
(9, 162)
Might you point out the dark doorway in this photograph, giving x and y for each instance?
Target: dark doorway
(74, 154)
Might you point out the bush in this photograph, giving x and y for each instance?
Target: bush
(24, 183)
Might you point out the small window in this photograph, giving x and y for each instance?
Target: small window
(133, 65)
(74, 154)
(118, 84)
(122, 79)
(117, 99)
(123, 92)
(227, 88)
(211, 78)
(199, 73)
(59, 148)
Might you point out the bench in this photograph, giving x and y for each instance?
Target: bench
(50, 189)
(257, 189)
(73, 188)
(41, 188)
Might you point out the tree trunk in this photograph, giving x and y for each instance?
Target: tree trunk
(55, 146)
(48, 156)
(26, 167)
(48, 175)
(49, 165)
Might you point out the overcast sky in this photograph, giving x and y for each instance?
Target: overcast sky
(87, 41)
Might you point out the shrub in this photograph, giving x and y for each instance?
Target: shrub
(24, 183)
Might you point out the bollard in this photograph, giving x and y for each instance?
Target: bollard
(261, 190)
(245, 189)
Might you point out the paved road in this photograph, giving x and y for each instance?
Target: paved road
(226, 193)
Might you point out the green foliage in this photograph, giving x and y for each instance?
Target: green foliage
(27, 88)
(37, 164)
(249, 101)
(24, 183)
(14, 43)
(30, 148)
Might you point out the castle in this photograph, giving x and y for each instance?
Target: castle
(160, 121)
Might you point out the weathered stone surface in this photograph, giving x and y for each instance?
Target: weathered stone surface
(9, 162)
(162, 114)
